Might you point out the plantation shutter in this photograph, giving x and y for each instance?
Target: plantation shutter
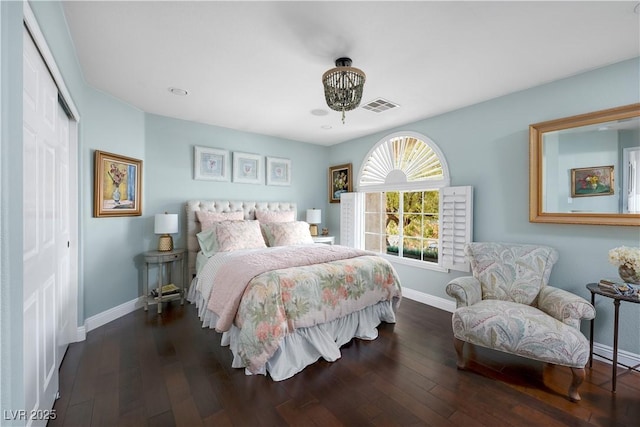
(456, 208)
(352, 219)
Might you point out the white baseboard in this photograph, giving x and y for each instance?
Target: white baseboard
(624, 357)
(433, 301)
(107, 316)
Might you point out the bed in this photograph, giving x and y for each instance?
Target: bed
(280, 301)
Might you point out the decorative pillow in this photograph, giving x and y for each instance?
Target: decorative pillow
(208, 241)
(287, 233)
(235, 235)
(269, 216)
(207, 219)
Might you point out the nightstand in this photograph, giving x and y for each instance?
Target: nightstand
(167, 261)
(324, 239)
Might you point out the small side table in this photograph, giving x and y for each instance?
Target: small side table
(324, 239)
(594, 289)
(165, 260)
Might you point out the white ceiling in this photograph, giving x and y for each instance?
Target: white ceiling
(256, 66)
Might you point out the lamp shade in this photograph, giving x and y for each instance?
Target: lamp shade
(166, 223)
(314, 216)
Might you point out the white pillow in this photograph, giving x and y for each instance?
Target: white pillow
(287, 233)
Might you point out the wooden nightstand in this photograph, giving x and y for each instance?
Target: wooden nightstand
(165, 261)
(324, 239)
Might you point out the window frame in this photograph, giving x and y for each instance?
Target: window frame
(455, 204)
(400, 259)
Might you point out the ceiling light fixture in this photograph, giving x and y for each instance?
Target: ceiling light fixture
(343, 86)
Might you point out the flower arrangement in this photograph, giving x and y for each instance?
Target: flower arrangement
(341, 181)
(625, 256)
(116, 175)
(628, 262)
(593, 180)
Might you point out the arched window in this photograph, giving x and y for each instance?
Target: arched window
(403, 160)
(404, 207)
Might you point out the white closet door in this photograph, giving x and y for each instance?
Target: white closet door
(46, 223)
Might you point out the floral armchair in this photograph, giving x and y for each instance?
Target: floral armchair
(508, 306)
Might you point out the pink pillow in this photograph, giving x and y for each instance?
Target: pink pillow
(235, 235)
(287, 233)
(266, 217)
(207, 219)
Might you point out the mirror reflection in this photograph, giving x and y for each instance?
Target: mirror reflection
(592, 168)
(585, 169)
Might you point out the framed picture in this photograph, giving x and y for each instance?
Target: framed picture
(211, 164)
(278, 171)
(117, 185)
(593, 181)
(247, 168)
(340, 181)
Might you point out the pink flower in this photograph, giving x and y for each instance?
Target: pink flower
(262, 331)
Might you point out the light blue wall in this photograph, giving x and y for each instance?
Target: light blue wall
(169, 170)
(486, 145)
(11, 295)
(110, 261)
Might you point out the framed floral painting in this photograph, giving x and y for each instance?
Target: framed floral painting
(340, 181)
(247, 168)
(211, 164)
(592, 181)
(117, 185)
(278, 171)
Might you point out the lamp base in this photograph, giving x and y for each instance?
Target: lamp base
(313, 229)
(165, 243)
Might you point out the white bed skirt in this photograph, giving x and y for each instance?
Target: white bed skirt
(306, 345)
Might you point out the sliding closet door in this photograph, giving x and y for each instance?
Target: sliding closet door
(46, 231)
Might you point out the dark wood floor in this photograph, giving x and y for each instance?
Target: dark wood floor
(145, 369)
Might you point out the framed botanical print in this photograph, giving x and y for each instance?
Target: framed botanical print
(247, 168)
(211, 164)
(340, 181)
(278, 171)
(117, 185)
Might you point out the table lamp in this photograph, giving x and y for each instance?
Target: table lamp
(314, 217)
(165, 224)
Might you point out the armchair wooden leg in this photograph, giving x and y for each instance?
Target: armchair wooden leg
(459, 345)
(578, 377)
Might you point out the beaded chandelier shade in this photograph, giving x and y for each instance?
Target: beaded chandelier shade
(343, 86)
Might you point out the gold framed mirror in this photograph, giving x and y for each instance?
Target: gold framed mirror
(585, 169)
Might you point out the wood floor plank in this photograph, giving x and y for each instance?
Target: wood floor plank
(165, 370)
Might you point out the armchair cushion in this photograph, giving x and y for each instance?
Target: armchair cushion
(565, 306)
(521, 330)
(511, 272)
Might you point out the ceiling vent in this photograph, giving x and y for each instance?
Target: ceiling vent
(379, 105)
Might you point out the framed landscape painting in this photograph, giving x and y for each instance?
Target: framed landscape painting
(592, 181)
(117, 185)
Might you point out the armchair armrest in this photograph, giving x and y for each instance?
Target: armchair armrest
(565, 306)
(466, 290)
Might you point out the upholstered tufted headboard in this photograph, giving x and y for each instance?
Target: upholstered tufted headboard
(249, 209)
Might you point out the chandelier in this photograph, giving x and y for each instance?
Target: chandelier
(343, 86)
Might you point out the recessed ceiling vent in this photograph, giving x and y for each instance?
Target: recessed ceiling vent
(379, 105)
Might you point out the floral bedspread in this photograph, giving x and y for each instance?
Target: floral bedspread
(279, 301)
